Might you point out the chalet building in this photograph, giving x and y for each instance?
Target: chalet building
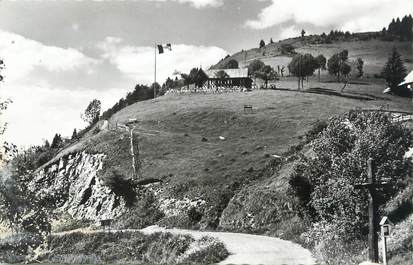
(225, 78)
(408, 81)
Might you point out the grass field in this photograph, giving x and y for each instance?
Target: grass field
(205, 148)
(277, 121)
(171, 130)
(373, 52)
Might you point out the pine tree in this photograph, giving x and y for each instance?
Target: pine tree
(391, 28)
(74, 135)
(397, 28)
(394, 71)
(409, 28)
(57, 141)
(262, 44)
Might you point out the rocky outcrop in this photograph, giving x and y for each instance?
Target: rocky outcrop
(73, 185)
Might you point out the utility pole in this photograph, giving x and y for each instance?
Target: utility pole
(154, 86)
(372, 185)
(135, 155)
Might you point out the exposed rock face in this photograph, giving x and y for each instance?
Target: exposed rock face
(73, 184)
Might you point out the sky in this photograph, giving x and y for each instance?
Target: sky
(60, 55)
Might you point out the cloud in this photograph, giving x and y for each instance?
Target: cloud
(197, 3)
(75, 26)
(22, 56)
(138, 62)
(353, 15)
(41, 105)
(39, 111)
(50, 86)
(289, 32)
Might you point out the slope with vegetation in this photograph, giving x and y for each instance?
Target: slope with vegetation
(372, 47)
(206, 163)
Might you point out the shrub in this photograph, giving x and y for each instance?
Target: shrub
(70, 224)
(211, 251)
(339, 162)
(329, 248)
(14, 248)
(318, 127)
(287, 49)
(143, 213)
(194, 215)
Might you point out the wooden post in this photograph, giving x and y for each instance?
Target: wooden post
(133, 154)
(384, 246)
(372, 186)
(373, 215)
(154, 86)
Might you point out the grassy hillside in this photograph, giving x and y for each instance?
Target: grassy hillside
(374, 52)
(172, 128)
(218, 166)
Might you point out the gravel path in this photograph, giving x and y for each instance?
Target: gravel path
(244, 248)
(251, 249)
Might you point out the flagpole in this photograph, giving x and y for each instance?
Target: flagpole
(154, 84)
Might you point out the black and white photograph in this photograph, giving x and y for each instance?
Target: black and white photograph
(192, 132)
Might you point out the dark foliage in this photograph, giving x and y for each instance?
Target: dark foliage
(57, 141)
(399, 29)
(394, 72)
(92, 112)
(267, 73)
(231, 64)
(262, 44)
(15, 248)
(338, 65)
(140, 93)
(123, 187)
(287, 49)
(254, 67)
(144, 212)
(359, 66)
(302, 66)
(325, 181)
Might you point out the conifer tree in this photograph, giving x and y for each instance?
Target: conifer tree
(262, 44)
(57, 141)
(74, 134)
(394, 71)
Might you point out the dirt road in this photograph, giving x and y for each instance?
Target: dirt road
(251, 249)
(244, 248)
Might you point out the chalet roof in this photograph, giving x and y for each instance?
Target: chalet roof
(232, 73)
(408, 79)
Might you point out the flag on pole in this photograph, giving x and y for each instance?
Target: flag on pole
(161, 48)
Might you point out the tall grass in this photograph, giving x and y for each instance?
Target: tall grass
(15, 247)
(132, 247)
